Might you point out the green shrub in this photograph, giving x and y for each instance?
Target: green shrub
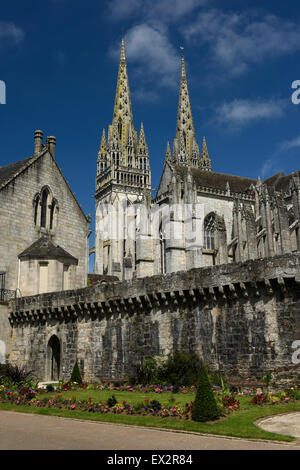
(76, 376)
(181, 368)
(50, 388)
(155, 405)
(294, 393)
(14, 374)
(111, 401)
(145, 373)
(205, 407)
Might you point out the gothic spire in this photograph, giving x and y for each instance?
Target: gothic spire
(103, 141)
(185, 125)
(205, 161)
(185, 145)
(168, 157)
(143, 147)
(122, 110)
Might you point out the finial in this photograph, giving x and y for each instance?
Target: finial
(122, 55)
(168, 153)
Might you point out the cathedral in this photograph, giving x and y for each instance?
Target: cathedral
(210, 264)
(198, 217)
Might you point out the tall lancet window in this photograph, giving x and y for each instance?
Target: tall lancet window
(209, 232)
(44, 206)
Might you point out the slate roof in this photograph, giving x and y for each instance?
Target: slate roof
(45, 249)
(210, 179)
(9, 171)
(280, 181)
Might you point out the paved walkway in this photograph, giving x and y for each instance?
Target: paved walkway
(21, 431)
(286, 424)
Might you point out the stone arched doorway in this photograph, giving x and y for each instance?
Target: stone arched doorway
(54, 357)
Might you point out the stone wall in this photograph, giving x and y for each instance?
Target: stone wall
(242, 318)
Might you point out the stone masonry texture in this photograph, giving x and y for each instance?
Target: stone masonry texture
(241, 318)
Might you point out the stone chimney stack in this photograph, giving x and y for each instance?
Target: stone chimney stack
(38, 141)
(51, 141)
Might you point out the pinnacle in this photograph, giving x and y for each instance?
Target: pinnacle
(122, 54)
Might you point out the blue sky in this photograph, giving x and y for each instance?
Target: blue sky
(59, 60)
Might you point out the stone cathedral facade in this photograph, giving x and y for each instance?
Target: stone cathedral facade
(198, 217)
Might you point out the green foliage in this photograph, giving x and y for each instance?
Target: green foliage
(13, 374)
(267, 380)
(111, 401)
(76, 376)
(155, 405)
(294, 393)
(181, 368)
(205, 407)
(146, 373)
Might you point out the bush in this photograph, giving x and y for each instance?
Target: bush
(50, 388)
(76, 376)
(181, 368)
(111, 401)
(155, 405)
(294, 393)
(145, 373)
(14, 374)
(259, 399)
(205, 407)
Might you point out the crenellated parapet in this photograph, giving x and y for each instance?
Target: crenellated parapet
(223, 283)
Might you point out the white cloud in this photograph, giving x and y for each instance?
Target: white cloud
(10, 32)
(241, 111)
(142, 94)
(290, 144)
(158, 10)
(238, 39)
(122, 9)
(270, 167)
(154, 58)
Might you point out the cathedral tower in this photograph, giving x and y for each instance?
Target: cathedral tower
(123, 179)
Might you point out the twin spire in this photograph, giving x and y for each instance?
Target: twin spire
(123, 138)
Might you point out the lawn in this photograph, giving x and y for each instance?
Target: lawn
(237, 424)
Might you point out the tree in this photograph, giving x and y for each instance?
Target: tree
(205, 407)
(76, 376)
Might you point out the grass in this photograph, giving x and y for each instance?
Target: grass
(238, 424)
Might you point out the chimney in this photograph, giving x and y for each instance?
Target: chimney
(51, 141)
(38, 142)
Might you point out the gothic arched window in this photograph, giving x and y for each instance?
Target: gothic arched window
(44, 206)
(209, 232)
(36, 208)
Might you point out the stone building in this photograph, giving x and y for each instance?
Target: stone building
(209, 264)
(43, 230)
(198, 217)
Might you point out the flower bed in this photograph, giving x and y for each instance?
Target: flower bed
(228, 403)
(28, 397)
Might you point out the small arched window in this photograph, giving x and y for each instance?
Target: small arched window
(209, 232)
